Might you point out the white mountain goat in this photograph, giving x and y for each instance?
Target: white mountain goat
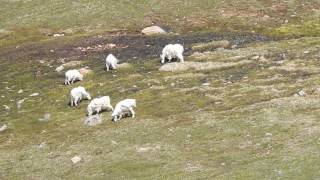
(111, 62)
(77, 94)
(99, 104)
(72, 76)
(124, 108)
(172, 51)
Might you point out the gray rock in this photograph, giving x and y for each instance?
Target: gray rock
(19, 103)
(6, 107)
(93, 120)
(45, 118)
(34, 94)
(3, 128)
(152, 30)
(76, 159)
(60, 68)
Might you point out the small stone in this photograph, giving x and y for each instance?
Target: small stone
(34, 94)
(19, 103)
(42, 145)
(60, 68)
(3, 128)
(6, 107)
(20, 91)
(268, 134)
(206, 84)
(301, 93)
(51, 50)
(76, 159)
(255, 57)
(223, 164)
(58, 35)
(134, 86)
(172, 84)
(114, 142)
(306, 52)
(45, 118)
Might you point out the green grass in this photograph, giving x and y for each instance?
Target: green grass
(22, 21)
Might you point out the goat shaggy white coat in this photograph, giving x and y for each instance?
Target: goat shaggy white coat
(111, 62)
(72, 76)
(172, 51)
(77, 94)
(123, 108)
(99, 104)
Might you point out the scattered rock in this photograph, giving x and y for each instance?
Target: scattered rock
(20, 91)
(147, 148)
(58, 35)
(114, 142)
(301, 93)
(206, 84)
(93, 120)
(60, 68)
(76, 159)
(42, 145)
(45, 118)
(86, 70)
(34, 94)
(6, 107)
(152, 30)
(3, 128)
(268, 134)
(19, 103)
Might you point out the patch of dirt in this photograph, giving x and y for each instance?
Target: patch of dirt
(125, 46)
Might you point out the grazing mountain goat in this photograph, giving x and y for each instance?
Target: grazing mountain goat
(72, 76)
(77, 94)
(99, 104)
(172, 51)
(111, 62)
(124, 108)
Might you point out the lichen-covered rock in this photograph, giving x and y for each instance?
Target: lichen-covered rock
(152, 30)
(93, 120)
(85, 70)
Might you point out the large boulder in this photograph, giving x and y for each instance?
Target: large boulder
(93, 120)
(152, 30)
(85, 70)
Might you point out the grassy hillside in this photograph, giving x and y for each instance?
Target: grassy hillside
(249, 111)
(23, 20)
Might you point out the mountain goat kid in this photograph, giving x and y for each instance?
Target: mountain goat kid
(124, 108)
(172, 51)
(72, 76)
(99, 104)
(77, 94)
(111, 62)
